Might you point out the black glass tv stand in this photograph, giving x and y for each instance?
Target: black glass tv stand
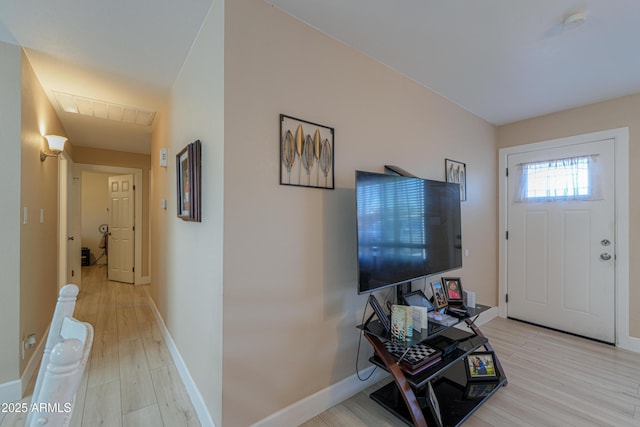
(407, 396)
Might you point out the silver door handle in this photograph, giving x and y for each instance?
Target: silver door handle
(605, 256)
(605, 242)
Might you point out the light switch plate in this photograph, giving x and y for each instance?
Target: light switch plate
(164, 157)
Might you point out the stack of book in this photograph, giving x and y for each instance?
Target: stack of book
(414, 359)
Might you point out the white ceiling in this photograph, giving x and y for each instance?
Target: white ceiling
(503, 60)
(126, 52)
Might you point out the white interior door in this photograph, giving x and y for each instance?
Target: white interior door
(63, 219)
(74, 241)
(560, 249)
(121, 229)
(68, 238)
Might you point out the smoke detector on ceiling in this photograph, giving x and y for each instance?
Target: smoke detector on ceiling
(574, 20)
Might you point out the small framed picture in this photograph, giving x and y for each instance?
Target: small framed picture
(481, 366)
(435, 407)
(476, 391)
(189, 182)
(418, 298)
(456, 172)
(439, 296)
(453, 289)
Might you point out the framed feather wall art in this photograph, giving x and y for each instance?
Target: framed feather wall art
(306, 153)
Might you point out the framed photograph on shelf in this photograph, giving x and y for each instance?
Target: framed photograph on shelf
(481, 366)
(306, 153)
(456, 172)
(453, 289)
(434, 405)
(439, 295)
(417, 298)
(378, 310)
(189, 182)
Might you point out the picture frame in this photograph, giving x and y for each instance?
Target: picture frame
(307, 153)
(453, 288)
(439, 295)
(434, 405)
(481, 366)
(382, 317)
(189, 182)
(418, 298)
(456, 172)
(479, 390)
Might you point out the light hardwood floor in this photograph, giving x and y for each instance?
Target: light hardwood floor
(555, 379)
(130, 379)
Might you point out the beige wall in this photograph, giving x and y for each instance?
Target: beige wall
(187, 256)
(621, 112)
(95, 156)
(10, 132)
(290, 300)
(94, 211)
(289, 295)
(39, 190)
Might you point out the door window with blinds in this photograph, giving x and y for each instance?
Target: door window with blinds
(573, 178)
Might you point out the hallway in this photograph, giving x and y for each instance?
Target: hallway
(130, 379)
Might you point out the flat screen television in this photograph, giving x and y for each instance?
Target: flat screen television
(408, 228)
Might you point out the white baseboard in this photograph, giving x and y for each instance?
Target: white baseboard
(11, 391)
(630, 343)
(144, 280)
(319, 402)
(194, 394)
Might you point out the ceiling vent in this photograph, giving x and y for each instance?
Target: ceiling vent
(104, 110)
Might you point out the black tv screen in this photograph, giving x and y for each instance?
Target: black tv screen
(408, 228)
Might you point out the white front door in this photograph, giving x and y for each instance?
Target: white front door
(561, 249)
(121, 229)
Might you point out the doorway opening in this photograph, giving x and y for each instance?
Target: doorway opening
(97, 213)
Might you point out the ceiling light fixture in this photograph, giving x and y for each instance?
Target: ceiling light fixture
(574, 20)
(56, 144)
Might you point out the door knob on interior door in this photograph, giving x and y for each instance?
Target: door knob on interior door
(605, 256)
(70, 238)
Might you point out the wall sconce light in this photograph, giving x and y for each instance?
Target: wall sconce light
(56, 144)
